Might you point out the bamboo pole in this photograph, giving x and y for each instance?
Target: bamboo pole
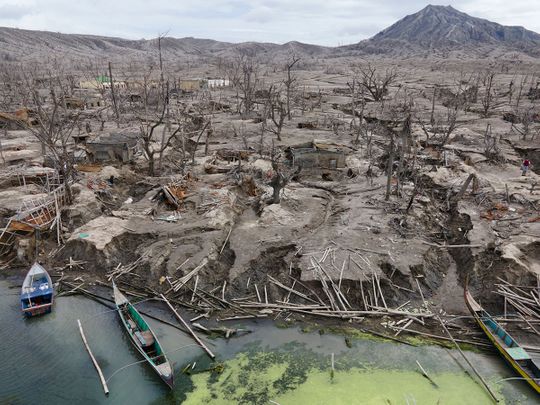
(425, 374)
(96, 365)
(421, 293)
(468, 361)
(197, 339)
(226, 240)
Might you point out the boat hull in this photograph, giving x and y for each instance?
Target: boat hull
(163, 370)
(473, 308)
(37, 310)
(37, 293)
(166, 379)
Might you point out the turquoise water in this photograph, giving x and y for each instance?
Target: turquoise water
(44, 361)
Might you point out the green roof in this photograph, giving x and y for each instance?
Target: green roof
(103, 79)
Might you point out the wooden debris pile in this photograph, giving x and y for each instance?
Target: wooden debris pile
(497, 211)
(334, 302)
(174, 192)
(122, 270)
(525, 300)
(233, 155)
(214, 199)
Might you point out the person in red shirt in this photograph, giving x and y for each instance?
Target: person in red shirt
(525, 167)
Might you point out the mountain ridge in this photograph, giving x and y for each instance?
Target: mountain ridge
(442, 28)
(435, 30)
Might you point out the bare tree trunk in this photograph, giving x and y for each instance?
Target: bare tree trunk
(113, 95)
(464, 188)
(389, 169)
(151, 164)
(207, 143)
(289, 82)
(166, 127)
(401, 163)
(432, 119)
(2, 149)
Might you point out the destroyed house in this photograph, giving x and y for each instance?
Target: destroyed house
(75, 103)
(190, 85)
(114, 147)
(316, 155)
(14, 120)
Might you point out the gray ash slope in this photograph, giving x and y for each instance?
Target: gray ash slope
(18, 45)
(438, 31)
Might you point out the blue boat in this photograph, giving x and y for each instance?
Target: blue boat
(37, 292)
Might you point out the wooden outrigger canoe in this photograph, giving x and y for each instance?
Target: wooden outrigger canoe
(142, 337)
(514, 354)
(37, 292)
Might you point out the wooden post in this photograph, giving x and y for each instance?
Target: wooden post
(197, 339)
(96, 365)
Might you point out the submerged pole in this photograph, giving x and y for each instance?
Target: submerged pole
(493, 396)
(197, 339)
(96, 365)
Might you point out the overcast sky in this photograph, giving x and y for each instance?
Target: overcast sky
(324, 22)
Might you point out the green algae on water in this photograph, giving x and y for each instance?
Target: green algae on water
(295, 375)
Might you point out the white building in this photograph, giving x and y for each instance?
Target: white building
(215, 83)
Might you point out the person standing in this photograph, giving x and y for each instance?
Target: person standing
(525, 167)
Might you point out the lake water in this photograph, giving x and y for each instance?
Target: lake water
(43, 360)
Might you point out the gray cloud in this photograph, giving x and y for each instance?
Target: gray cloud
(13, 11)
(313, 21)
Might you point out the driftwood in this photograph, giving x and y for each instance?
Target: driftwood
(226, 332)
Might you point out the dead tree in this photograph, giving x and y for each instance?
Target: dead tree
(201, 132)
(155, 107)
(113, 95)
(491, 145)
(357, 95)
(390, 167)
(488, 80)
(290, 83)
(233, 73)
(376, 83)
(52, 123)
(520, 90)
(525, 119)
(165, 88)
(248, 79)
(276, 111)
(441, 126)
(281, 176)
